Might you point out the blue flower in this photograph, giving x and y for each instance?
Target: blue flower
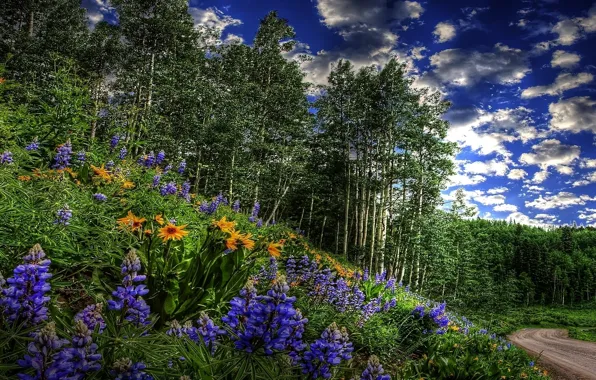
(156, 179)
(6, 158)
(419, 311)
(91, 316)
(185, 190)
(110, 165)
(41, 350)
(182, 167)
(125, 369)
(63, 216)
(82, 156)
(34, 145)
(167, 169)
(168, 189)
(531, 364)
(25, 300)
(100, 197)
(123, 152)
(259, 223)
(160, 157)
(326, 352)
(62, 159)
(128, 298)
(236, 206)
(374, 370)
(114, 141)
(77, 361)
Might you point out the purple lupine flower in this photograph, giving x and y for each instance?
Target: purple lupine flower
(182, 167)
(161, 155)
(24, 299)
(269, 273)
(326, 352)
(390, 285)
(62, 159)
(176, 329)
(156, 179)
(438, 315)
(168, 189)
(114, 141)
(63, 216)
(41, 350)
(34, 145)
(211, 207)
(125, 369)
(380, 277)
(91, 316)
(100, 197)
(391, 304)
(255, 212)
(407, 288)
(208, 331)
(6, 158)
(236, 206)
(365, 275)
(110, 165)
(301, 271)
(400, 284)
(81, 156)
(357, 276)
(270, 322)
(259, 223)
(129, 296)
(322, 280)
(172, 220)
(419, 311)
(184, 191)
(123, 153)
(369, 309)
(167, 169)
(374, 370)
(150, 160)
(273, 222)
(77, 361)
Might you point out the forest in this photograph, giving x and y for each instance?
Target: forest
(108, 132)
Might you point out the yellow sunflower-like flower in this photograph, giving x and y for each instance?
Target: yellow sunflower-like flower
(148, 232)
(232, 241)
(24, 178)
(132, 221)
(159, 219)
(224, 225)
(128, 185)
(274, 249)
(102, 173)
(172, 232)
(247, 242)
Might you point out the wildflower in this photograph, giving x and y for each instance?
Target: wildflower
(81, 156)
(45, 343)
(147, 232)
(182, 167)
(185, 190)
(100, 197)
(91, 316)
(269, 273)
(236, 206)
(129, 296)
(101, 172)
(132, 221)
(156, 179)
(259, 223)
(531, 364)
(208, 331)
(224, 225)
(172, 220)
(168, 189)
(255, 212)
(123, 152)
(390, 285)
(6, 158)
(274, 249)
(24, 299)
(34, 145)
(327, 351)
(159, 219)
(172, 232)
(62, 159)
(365, 275)
(63, 216)
(160, 157)
(369, 309)
(374, 370)
(232, 241)
(247, 242)
(419, 311)
(76, 361)
(24, 178)
(128, 185)
(114, 141)
(110, 165)
(125, 369)
(167, 169)
(268, 321)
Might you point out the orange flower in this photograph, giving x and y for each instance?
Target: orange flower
(127, 220)
(102, 173)
(2, 80)
(132, 221)
(128, 185)
(148, 232)
(172, 232)
(159, 219)
(292, 235)
(224, 225)
(247, 242)
(24, 178)
(232, 241)
(273, 249)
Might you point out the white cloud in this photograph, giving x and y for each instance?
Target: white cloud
(588, 163)
(486, 200)
(521, 218)
(562, 200)
(497, 190)
(444, 31)
(96, 11)
(534, 189)
(548, 217)
(571, 30)
(539, 177)
(505, 208)
(418, 52)
(549, 153)
(565, 59)
(516, 174)
(493, 167)
(212, 18)
(459, 67)
(575, 114)
(563, 82)
(587, 179)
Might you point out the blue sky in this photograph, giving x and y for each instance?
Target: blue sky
(520, 76)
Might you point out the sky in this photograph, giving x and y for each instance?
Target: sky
(519, 75)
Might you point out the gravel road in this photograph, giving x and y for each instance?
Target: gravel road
(569, 358)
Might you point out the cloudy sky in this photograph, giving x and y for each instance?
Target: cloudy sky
(520, 76)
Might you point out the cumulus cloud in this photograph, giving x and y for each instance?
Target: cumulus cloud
(564, 82)
(505, 208)
(521, 218)
(587, 163)
(497, 190)
(589, 215)
(479, 196)
(539, 177)
(562, 200)
(493, 167)
(565, 59)
(551, 153)
(571, 30)
(96, 11)
(463, 68)
(418, 52)
(212, 18)
(444, 31)
(575, 114)
(586, 180)
(516, 174)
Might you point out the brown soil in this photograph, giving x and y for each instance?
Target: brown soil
(568, 359)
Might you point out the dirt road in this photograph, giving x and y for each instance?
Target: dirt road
(570, 358)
